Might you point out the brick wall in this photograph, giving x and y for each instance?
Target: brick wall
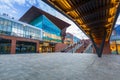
(60, 46)
(106, 49)
(14, 39)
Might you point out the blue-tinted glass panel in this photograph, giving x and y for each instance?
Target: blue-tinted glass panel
(51, 31)
(76, 39)
(37, 22)
(50, 27)
(117, 29)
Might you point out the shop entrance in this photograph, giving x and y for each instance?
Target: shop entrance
(46, 47)
(25, 47)
(5, 46)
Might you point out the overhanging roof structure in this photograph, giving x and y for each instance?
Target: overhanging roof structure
(96, 18)
(34, 12)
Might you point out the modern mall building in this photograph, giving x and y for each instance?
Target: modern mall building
(36, 31)
(71, 39)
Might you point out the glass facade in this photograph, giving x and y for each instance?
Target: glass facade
(75, 39)
(25, 47)
(50, 31)
(41, 29)
(5, 46)
(19, 29)
(115, 40)
(68, 39)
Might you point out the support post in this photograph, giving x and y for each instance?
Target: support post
(37, 46)
(102, 44)
(99, 49)
(13, 47)
(116, 47)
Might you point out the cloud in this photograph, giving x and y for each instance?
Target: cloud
(118, 20)
(8, 3)
(31, 2)
(28, 5)
(4, 7)
(14, 12)
(73, 29)
(11, 3)
(20, 2)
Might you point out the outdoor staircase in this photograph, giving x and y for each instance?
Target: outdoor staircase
(82, 48)
(72, 48)
(89, 49)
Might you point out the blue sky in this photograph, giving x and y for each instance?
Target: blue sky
(16, 8)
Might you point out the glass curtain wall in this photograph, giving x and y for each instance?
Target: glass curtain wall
(51, 31)
(5, 26)
(115, 40)
(14, 28)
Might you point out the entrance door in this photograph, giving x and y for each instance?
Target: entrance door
(5, 46)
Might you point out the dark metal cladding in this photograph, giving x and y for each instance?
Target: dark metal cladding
(34, 12)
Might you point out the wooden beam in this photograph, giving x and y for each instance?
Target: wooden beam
(97, 10)
(83, 3)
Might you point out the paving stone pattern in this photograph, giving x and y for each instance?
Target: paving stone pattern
(59, 66)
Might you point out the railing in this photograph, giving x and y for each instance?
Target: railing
(72, 48)
(75, 48)
(83, 47)
(89, 49)
(64, 49)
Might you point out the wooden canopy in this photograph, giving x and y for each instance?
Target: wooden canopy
(96, 18)
(93, 16)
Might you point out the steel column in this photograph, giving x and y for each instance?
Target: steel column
(99, 49)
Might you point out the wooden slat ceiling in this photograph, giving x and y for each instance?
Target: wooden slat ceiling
(92, 16)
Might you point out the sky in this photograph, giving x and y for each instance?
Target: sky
(16, 8)
(118, 21)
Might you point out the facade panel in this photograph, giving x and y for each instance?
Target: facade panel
(51, 32)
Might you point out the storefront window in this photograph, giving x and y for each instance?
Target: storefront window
(5, 46)
(25, 47)
(115, 47)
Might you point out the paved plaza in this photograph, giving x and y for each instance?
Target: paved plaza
(59, 66)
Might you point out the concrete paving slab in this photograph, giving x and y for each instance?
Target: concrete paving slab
(59, 66)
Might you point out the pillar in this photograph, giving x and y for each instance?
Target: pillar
(13, 46)
(107, 49)
(37, 47)
(63, 34)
